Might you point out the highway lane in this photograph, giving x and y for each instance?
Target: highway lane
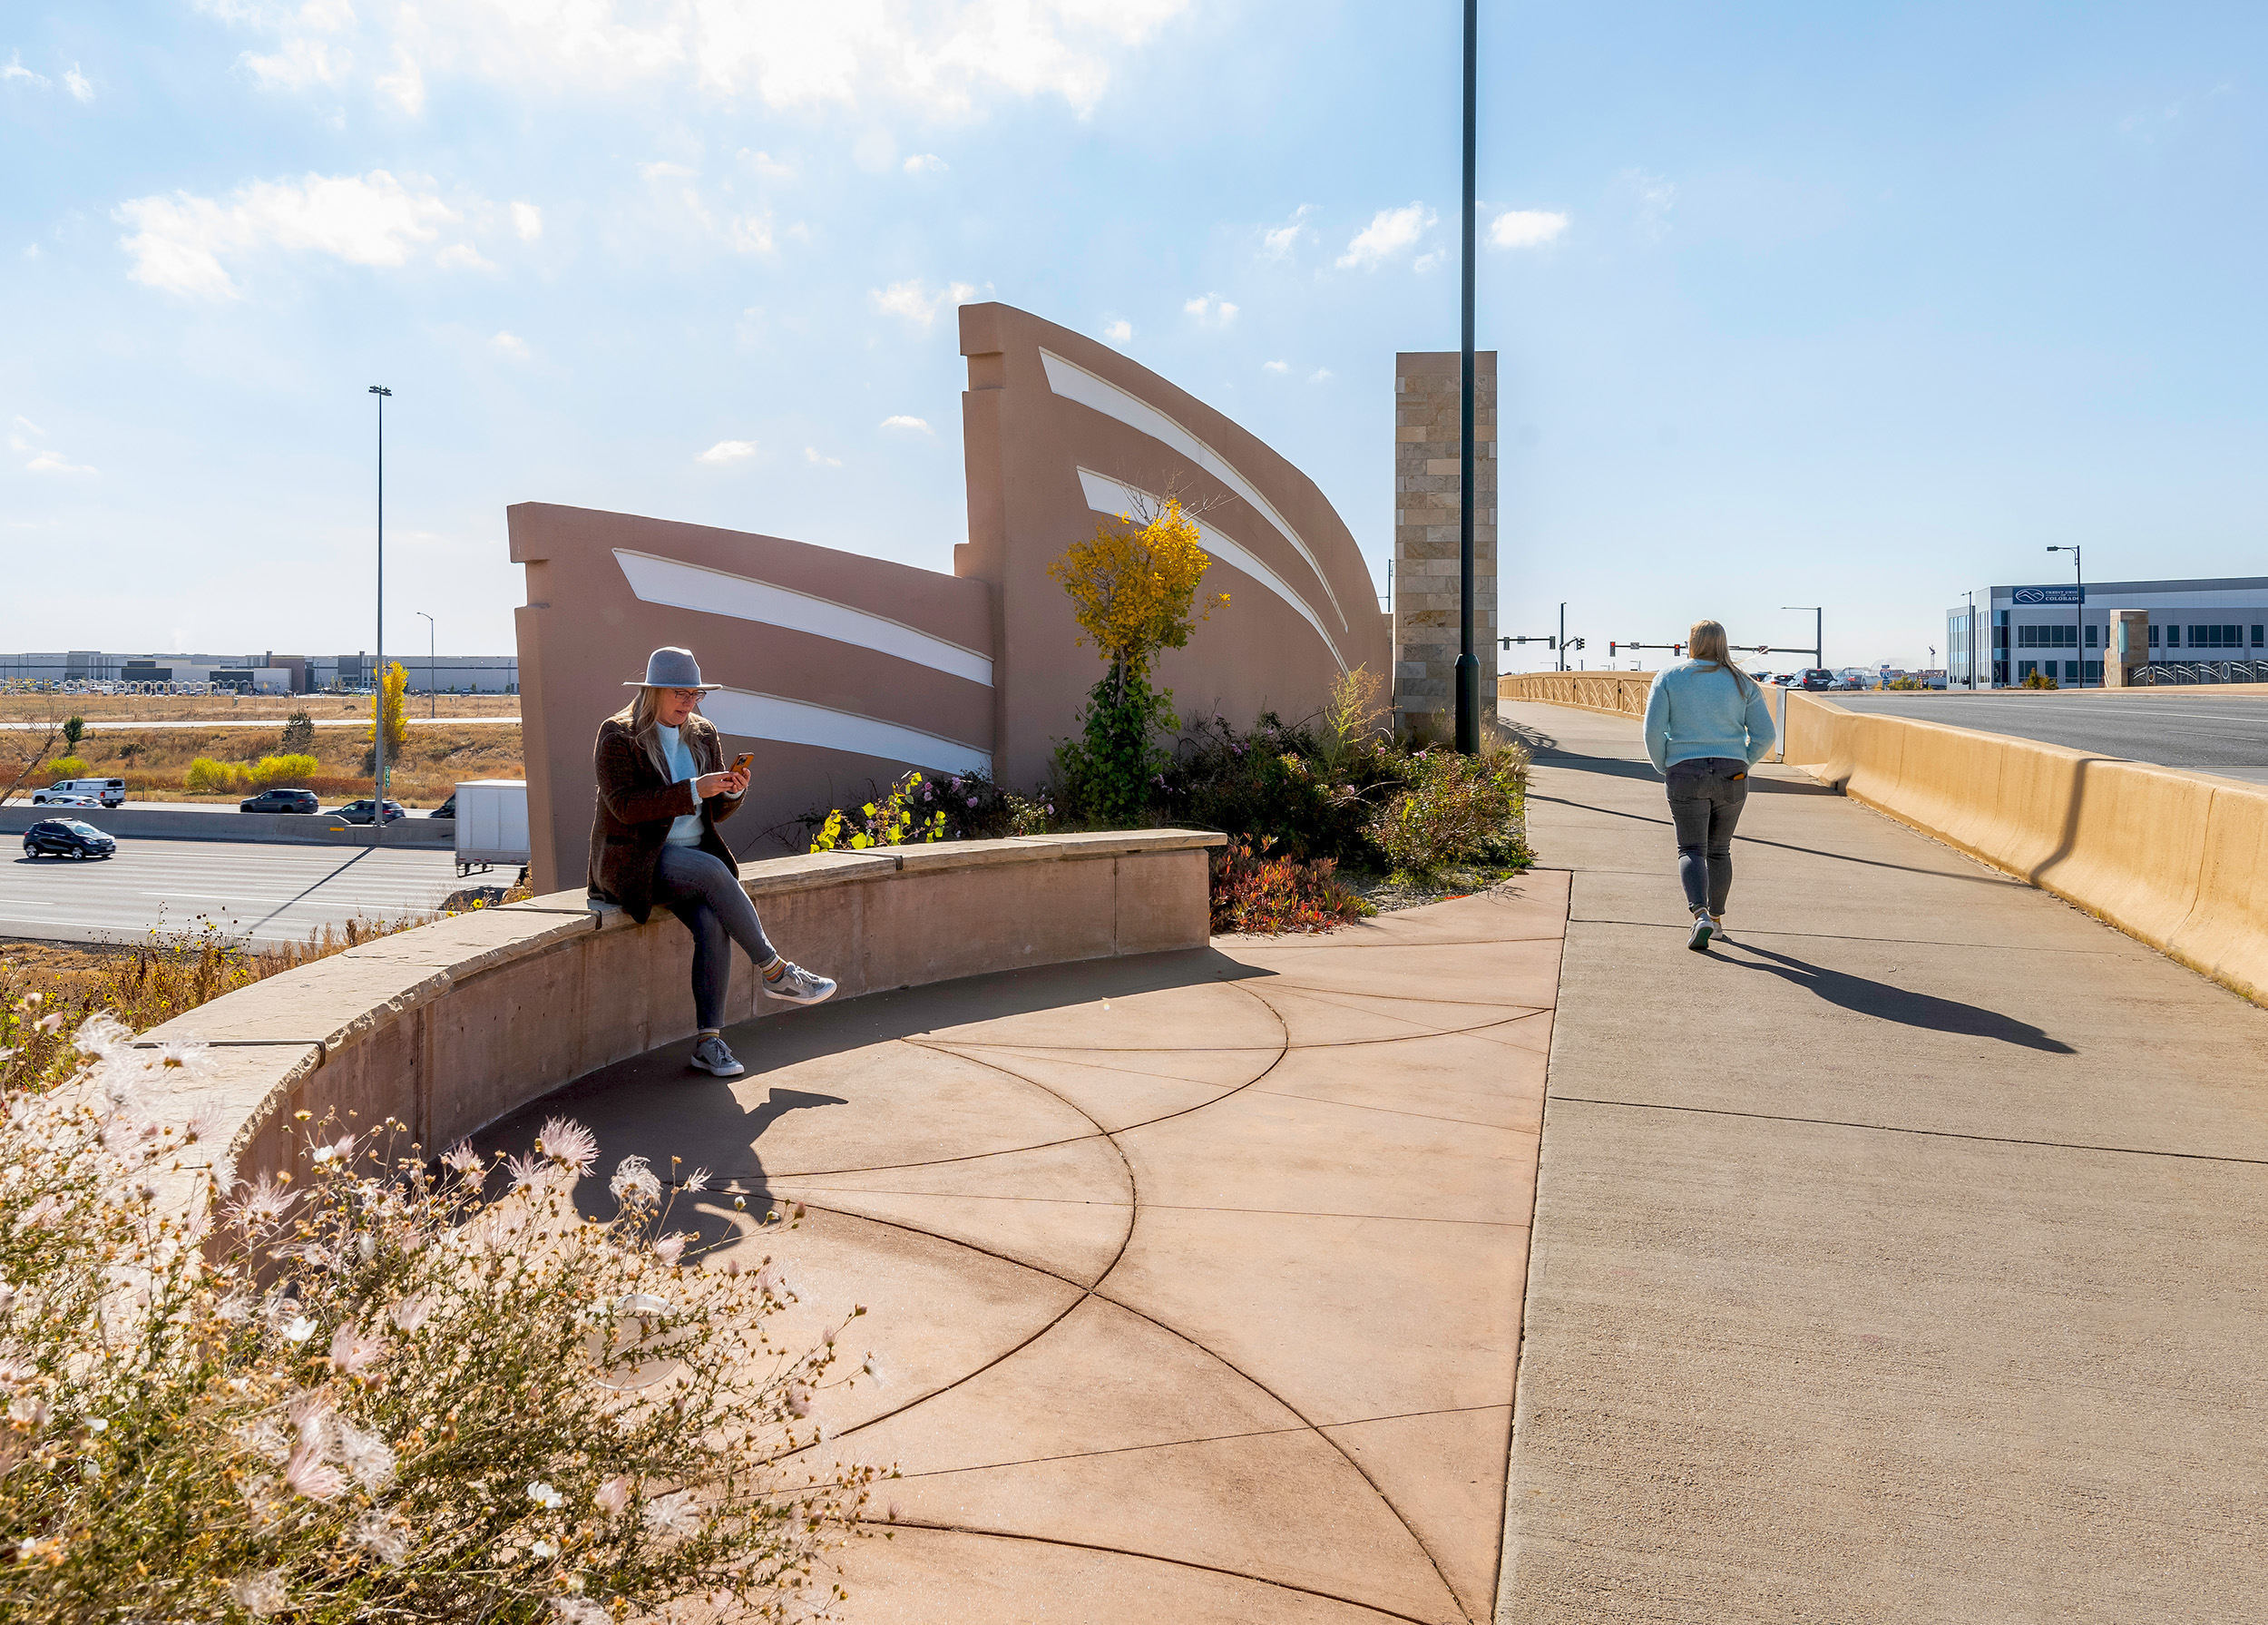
(2174, 728)
(270, 893)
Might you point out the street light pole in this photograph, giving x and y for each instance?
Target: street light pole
(1563, 634)
(431, 642)
(1467, 663)
(378, 700)
(1819, 642)
(2078, 614)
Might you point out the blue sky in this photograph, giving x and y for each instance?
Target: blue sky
(1852, 305)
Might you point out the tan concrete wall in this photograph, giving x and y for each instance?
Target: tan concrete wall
(1429, 441)
(450, 1026)
(1618, 694)
(1033, 446)
(2177, 859)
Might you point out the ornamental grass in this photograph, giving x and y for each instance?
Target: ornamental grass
(379, 1388)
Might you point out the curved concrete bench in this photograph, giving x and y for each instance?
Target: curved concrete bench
(452, 1025)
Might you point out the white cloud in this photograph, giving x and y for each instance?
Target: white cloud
(1275, 367)
(1390, 232)
(1322, 374)
(406, 85)
(948, 59)
(527, 220)
(1656, 198)
(1211, 310)
(902, 421)
(25, 437)
(31, 250)
(17, 70)
(77, 84)
(513, 345)
(912, 298)
(1430, 262)
(1276, 241)
(181, 243)
(729, 451)
(1525, 228)
(925, 163)
(665, 171)
(750, 234)
(463, 256)
(766, 165)
(1119, 332)
(811, 455)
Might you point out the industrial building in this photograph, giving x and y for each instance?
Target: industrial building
(2213, 630)
(264, 673)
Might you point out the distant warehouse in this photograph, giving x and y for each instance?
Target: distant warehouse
(2210, 631)
(97, 671)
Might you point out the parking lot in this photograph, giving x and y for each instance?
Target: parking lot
(269, 892)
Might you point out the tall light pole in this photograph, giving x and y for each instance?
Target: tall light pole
(2078, 614)
(1467, 663)
(431, 643)
(377, 700)
(1971, 623)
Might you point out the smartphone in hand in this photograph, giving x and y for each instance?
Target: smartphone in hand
(740, 764)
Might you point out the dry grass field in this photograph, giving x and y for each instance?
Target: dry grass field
(154, 762)
(233, 708)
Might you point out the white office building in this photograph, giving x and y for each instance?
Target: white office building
(2208, 631)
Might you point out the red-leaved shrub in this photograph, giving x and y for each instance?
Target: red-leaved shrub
(1253, 892)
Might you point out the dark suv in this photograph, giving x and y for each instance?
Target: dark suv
(67, 838)
(360, 812)
(279, 801)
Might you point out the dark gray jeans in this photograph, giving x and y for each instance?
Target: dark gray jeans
(698, 888)
(1705, 796)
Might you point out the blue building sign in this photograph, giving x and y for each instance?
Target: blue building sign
(2046, 595)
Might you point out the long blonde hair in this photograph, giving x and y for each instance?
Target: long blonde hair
(1707, 642)
(643, 716)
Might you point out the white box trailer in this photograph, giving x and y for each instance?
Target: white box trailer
(492, 823)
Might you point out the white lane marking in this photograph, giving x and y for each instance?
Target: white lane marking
(686, 586)
(1107, 496)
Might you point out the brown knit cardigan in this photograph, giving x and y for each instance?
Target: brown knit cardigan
(637, 803)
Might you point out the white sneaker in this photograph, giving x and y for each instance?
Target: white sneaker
(796, 986)
(1717, 920)
(710, 1055)
(1703, 927)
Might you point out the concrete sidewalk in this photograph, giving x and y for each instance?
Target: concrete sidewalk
(1900, 1260)
(1196, 1278)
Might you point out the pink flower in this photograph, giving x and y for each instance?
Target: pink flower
(309, 1475)
(352, 1353)
(465, 1159)
(411, 1313)
(670, 1247)
(261, 1204)
(569, 1144)
(613, 1496)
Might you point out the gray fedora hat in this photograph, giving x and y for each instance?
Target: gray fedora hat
(673, 668)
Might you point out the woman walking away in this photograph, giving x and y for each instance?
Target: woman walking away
(662, 788)
(1705, 726)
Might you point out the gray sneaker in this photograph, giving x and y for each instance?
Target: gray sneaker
(710, 1055)
(796, 986)
(1703, 927)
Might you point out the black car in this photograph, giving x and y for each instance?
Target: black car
(67, 838)
(447, 809)
(279, 801)
(360, 812)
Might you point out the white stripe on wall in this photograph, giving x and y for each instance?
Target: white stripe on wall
(695, 587)
(1107, 496)
(1074, 382)
(753, 716)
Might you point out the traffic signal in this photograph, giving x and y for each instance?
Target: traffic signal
(1611, 649)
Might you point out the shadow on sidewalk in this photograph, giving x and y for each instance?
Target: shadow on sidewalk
(1900, 1004)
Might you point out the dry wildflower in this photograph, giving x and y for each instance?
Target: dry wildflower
(353, 1354)
(696, 1181)
(613, 1497)
(260, 1595)
(411, 1313)
(367, 1456)
(382, 1537)
(580, 1611)
(309, 1474)
(569, 1144)
(465, 1161)
(670, 1248)
(672, 1514)
(261, 1204)
(635, 1182)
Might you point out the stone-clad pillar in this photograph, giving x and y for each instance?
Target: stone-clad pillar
(1426, 449)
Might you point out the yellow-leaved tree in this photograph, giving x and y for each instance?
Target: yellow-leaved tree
(392, 684)
(1133, 588)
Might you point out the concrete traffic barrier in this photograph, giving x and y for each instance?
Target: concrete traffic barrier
(1615, 693)
(447, 1027)
(185, 824)
(2176, 859)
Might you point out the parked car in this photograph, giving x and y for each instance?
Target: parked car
(67, 838)
(1814, 677)
(1783, 678)
(447, 809)
(281, 801)
(69, 800)
(106, 792)
(362, 811)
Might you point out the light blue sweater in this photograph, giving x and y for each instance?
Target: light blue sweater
(1700, 709)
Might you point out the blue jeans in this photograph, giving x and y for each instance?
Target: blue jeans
(1705, 796)
(698, 888)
